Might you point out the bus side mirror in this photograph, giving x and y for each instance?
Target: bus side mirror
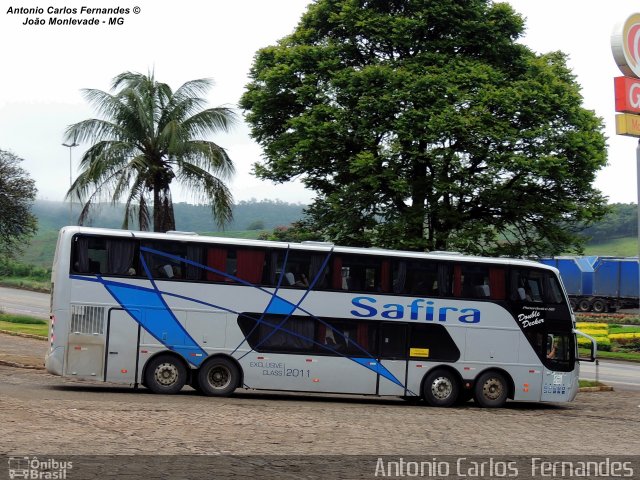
(593, 347)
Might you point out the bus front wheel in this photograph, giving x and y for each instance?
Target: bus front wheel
(218, 377)
(441, 388)
(491, 390)
(165, 374)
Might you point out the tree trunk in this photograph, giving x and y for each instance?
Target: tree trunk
(163, 217)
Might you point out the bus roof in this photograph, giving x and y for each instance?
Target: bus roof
(190, 237)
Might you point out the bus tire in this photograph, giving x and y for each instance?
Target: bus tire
(441, 388)
(218, 377)
(491, 390)
(165, 374)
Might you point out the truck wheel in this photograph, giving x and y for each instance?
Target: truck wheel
(574, 304)
(218, 377)
(599, 305)
(441, 388)
(165, 374)
(584, 305)
(491, 390)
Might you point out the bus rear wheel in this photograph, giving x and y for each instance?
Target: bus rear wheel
(218, 377)
(491, 390)
(165, 374)
(441, 388)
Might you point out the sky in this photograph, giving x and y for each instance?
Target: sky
(45, 67)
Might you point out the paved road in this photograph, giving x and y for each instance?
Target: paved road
(24, 302)
(620, 375)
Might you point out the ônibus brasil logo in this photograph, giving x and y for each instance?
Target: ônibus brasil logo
(625, 45)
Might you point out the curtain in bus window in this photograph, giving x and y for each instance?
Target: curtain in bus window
(120, 256)
(399, 277)
(298, 334)
(362, 335)
(336, 278)
(82, 255)
(250, 265)
(497, 283)
(444, 280)
(216, 259)
(194, 254)
(275, 267)
(457, 281)
(385, 276)
(316, 265)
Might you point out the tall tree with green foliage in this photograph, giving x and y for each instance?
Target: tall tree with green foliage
(149, 137)
(423, 124)
(17, 193)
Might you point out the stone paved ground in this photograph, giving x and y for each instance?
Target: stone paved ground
(40, 413)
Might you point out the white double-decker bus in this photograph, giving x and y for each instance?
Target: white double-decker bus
(175, 309)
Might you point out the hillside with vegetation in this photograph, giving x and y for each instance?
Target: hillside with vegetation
(250, 218)
(615, 235)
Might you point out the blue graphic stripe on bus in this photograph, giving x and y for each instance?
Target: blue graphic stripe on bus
(137, 298)
(280, 303)
(378, 368)
(274, 295)
(304, 296)
(276, 305)
(280, 306)
(157, 319)
(244, 282)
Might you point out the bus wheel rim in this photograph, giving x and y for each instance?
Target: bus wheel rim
(492, 389)
(219, 377)
(441, 388)
(167, 374)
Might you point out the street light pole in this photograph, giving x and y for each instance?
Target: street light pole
(70, 146)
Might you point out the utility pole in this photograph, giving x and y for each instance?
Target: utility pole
(70, 146)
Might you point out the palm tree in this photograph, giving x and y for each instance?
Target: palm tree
(150, 136)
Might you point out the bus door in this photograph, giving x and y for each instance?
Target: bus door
(392, 357)
(561, 371)
(123, 339)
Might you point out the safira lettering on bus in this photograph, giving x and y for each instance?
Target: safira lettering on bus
(418, 309)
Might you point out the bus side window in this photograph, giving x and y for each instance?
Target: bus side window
(417, 277)
(361, 274)
(90, 255)
(534, 286)
(472, 281)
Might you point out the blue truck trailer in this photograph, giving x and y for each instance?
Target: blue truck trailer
(599, 284)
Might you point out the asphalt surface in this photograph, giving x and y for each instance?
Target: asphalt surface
(24, 302)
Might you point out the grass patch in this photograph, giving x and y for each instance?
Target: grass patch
(616, 319)
(617, 329)
(628, 356)
(23, 319)
(42, 330)
(617, 247)
(590, 383)
(24, 324)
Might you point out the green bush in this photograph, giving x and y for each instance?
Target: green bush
(14, 269)
(7, 317)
